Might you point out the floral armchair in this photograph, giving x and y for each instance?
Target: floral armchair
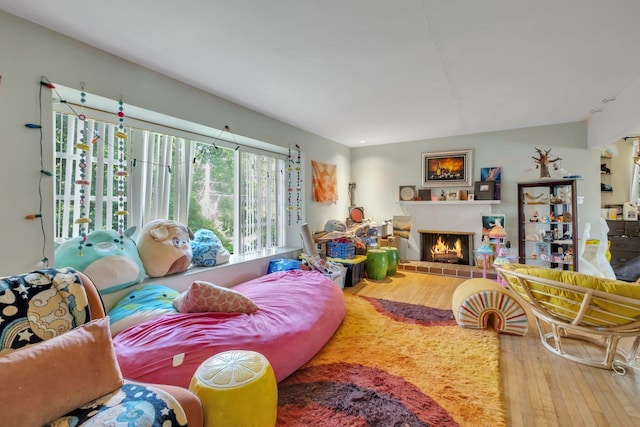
(58, 366)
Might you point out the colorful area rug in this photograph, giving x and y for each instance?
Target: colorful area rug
(397, 364)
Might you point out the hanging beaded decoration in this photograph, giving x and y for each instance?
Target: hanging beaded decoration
(121, 173)
(298, 187)
(82, 180)
(289, 186)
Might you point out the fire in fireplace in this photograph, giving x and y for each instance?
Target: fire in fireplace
(451, 247)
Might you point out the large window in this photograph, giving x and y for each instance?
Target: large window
(236, 191)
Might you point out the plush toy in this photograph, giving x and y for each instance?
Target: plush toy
(164, 247)
(109, 264)
(207, 249)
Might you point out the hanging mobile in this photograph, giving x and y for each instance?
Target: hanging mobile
(298, 187)
(121, 174)
(289, 186)
(82, 181)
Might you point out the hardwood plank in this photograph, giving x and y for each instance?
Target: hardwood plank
(539, 387)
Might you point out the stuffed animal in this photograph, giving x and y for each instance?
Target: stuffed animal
(207, 249)
(111, 265)
(164, 247)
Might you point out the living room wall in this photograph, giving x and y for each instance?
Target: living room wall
(29, 51)
(379, 170)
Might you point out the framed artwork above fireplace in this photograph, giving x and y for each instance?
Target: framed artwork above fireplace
(447, 168)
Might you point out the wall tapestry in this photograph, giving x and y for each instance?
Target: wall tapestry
(324, 184)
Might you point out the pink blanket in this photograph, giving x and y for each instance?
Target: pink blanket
(298, 312)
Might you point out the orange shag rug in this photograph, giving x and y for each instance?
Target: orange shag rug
(397, 364)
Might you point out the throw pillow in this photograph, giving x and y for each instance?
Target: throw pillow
(204, 296)
(164, 247)
(56, 376)
(147, 303)
(39, 305)
(112, 265)
(207, 249)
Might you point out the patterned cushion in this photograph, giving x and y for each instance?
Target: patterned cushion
(147, 303)
(203, 296)
(132, 405)
(40, 305)
(207, 249)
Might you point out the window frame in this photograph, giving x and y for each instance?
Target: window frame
(134, 125)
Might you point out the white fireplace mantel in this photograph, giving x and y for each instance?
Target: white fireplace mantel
(454, 215)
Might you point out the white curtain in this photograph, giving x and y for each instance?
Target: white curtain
(159, 164)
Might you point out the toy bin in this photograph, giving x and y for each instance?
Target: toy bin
(338, 277)
(343, 250)
(355, 269)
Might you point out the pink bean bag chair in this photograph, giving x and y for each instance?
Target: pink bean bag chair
(298, 311)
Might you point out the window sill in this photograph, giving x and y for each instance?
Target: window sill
(239, 269)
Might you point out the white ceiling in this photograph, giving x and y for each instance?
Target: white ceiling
(376, 70)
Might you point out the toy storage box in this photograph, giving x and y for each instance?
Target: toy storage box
(354, 269)
(339, 278)
(344, 250)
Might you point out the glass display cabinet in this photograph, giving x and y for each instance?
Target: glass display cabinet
(548, 224)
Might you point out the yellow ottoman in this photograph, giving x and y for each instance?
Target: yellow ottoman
(476, 301)
(238, 389)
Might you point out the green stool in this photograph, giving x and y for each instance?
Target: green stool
(377, 264)
(393, 256)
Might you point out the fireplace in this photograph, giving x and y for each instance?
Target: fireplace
(452, 247)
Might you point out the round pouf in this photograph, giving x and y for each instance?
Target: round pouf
(377, 264)
(393, 259)
(237, 388)
(476, 301)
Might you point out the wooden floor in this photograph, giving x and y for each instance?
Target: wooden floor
(540, 388)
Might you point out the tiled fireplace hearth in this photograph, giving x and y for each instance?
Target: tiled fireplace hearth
(457, 216)
(442, 269)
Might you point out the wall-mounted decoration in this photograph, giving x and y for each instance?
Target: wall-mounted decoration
(484, 190)
(356, 214)
(408, 192)
(447, 168)
(324, 180)
(492, 174)
(543, 161)
(294, 164)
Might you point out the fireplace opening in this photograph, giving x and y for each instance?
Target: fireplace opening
(452, 247)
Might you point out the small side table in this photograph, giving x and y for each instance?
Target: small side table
(237, 388)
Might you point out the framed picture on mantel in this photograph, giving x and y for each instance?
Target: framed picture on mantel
(484, 190)
(447, 168)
